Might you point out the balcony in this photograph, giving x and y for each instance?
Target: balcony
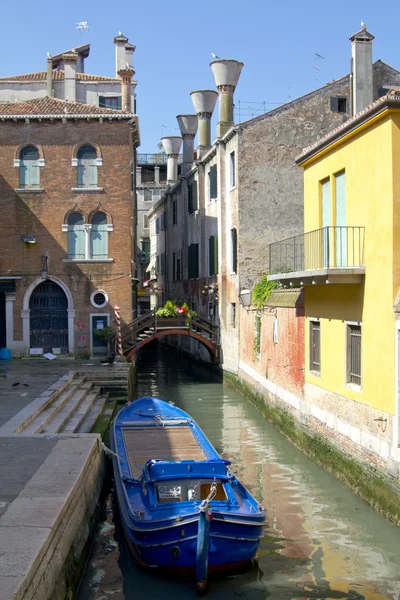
(327, 255)
(157, 159)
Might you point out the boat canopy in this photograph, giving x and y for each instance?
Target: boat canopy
(161, 470)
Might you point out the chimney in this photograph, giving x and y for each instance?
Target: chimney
(70, 60)
(171, 147)
(123, 52)
(188, 126)
(226, 73)
(126, 88)
(361, 69)
(204, 103)
(49, 76)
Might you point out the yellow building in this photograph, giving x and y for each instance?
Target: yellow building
(348, 261)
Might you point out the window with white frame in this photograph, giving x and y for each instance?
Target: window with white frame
(87, 167)
(315, 346)
(88, 241)
(29, 170)
(76, 236)
(99, 236)
(232, 169)
(353, 361)
(146, 222)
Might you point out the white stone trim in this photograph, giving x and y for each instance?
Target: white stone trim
(74, 162)
(41, 162)
(362, 438)
(92, 295)
(99, 162)
(64, 227)
(110, 227)
(10, 299)
(17, 162)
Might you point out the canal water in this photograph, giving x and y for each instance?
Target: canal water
(322, 541)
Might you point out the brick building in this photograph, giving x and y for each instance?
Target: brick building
(67, 208)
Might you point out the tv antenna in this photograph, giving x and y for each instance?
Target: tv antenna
(317, 69)
(82, 26)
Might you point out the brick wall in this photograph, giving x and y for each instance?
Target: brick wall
(42, 214)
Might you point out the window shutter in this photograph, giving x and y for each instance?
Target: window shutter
(76, 241)
(334, 104)
(326, 203)
(215, 255)
(23, 175)
(213, 182)
(190, 198)
(119, 102)
(34, 174)
(194, 196)
(174, 266)
(99, 241)
(195, 260)
(163, 220)
(102, 101)
(179, 265)
(158, 225)
(341, 232)
(234, 250)
(211, 256)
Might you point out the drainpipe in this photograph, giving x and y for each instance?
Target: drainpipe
(204, 103)
(49, 76)
(171, 147)
(188, 126)
(226, 75)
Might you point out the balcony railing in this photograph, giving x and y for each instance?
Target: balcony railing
(159, 158)
(326, 248)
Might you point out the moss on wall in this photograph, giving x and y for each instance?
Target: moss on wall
(374, 487)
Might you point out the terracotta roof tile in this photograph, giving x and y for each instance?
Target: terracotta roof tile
(54, 106)
(58, 75)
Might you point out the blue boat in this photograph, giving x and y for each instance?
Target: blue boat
(181, 506)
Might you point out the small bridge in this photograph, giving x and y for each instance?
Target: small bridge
(149, 327)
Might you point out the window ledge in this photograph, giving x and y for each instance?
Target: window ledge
(87, 190)
(315, 374)
(87, 260)
(354, 386)
(27, 190)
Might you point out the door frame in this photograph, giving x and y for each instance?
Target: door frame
(91, 327)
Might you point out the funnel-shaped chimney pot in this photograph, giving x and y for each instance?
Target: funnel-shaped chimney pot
(171, 145)
(188, 126)
(226, 73)
(204, 103)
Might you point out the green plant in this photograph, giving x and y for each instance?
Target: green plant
(262, 290)
(168, 310)
(105, 333)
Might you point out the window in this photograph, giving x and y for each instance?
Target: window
(192, 197)
(213, 255)
(146, 251)
(193, 260)
(233, 314)
(99, 236)
(213, 183)
(234, 249)
(87, 167)
(232, 169)
(160, 263)
(174, 266)
(76, 236)
(29, 170)
(88, 241)
(147, 195)
(174, 213)
(99, 299)
(354, 354)
(339, 104)
(146, 223)
(179, 265)
(157, 225)
(315, 346)
(110, 102)
(163, 220)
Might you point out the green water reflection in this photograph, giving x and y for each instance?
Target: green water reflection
(322, 541)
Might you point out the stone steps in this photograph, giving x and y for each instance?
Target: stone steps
(60, 420)
(88, 423)
(88, 407)
(44, 417)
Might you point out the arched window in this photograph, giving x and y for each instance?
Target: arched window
(87, 167)
(99, 236)
(29, 170)
(76, 236)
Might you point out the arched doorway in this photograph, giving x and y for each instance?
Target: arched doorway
(48, 307)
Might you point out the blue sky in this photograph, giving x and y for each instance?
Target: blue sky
(277, 41)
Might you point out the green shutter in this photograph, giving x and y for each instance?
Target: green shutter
(119, 102)
(193, 256)
(76, 241)
(211, 256)
(213, 182)
(326, 220)
(341, 232)
(174, 266)
(194, 196)
(215, 255)
(234, 250)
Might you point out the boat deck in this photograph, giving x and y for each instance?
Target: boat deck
(164, 443)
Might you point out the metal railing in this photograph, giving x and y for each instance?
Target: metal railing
(159, 158)
(326, 248)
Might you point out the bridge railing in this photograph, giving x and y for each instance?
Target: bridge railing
(149, 324)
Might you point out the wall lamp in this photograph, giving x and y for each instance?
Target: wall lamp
(45, 270)
(28, 239)
(245, 298)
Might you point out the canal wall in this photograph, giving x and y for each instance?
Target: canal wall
(45, 533)
(368, 478)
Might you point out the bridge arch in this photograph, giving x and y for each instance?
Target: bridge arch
(193, 334)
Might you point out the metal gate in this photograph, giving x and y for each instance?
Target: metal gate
(49, 317)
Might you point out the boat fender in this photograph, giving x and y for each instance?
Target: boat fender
(175, 553)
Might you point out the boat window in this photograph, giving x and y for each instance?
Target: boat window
(186, 489)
